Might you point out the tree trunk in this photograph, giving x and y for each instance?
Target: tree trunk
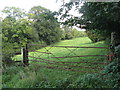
(115, 44)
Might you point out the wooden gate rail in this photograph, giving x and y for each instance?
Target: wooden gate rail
(67, 65)
(65, 62)
(39, 52)
(67, 46)
(80, 56)
(67, 69)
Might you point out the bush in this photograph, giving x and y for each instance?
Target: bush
(68, 36)
(75, 33)
(36, 45)
(112, 72)
(7, 53)
(95, 36)
(90, 81)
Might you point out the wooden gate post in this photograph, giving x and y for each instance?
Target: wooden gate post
(24, 52)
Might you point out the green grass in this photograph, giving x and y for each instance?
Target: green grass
(39, 75)
(62, 52)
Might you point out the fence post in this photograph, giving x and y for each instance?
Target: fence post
(24, 52)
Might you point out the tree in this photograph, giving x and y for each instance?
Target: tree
(16, 32)
(94, 35)
(45, 24)
(103, 16)
(14, 12)
(16, 27)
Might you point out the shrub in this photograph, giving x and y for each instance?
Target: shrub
(90, 81)
(75, 33)
(95, 36)
(112, 72)
(7, 53)
(68, 36)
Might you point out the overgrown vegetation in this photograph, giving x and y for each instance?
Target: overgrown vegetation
(41, 27)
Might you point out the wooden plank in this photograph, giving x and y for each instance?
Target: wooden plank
(68, 46)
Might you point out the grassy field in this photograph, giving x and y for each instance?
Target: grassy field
(47, 60)
(51, 72)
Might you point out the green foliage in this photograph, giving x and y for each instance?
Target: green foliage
(70, 33)
(68, 36)
(18, 77)
(90, 81)
(13, 35)
(100, 16)
(75, 33)
(95, 36)
(18, 31)
(112, 72)
(31, 48)
(45, 24)
(19, 28)
(7, 53)
(103, 17)
(48, 31)
(14, 12)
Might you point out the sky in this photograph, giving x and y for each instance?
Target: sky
(27, 4)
